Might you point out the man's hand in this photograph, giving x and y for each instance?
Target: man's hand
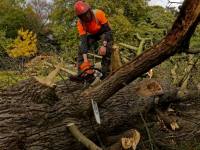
(85, 57)
(102, 51)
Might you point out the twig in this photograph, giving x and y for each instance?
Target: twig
(129, 46)
(174, 2)
(81, 138)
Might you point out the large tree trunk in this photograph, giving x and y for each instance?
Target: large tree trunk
(34, 116)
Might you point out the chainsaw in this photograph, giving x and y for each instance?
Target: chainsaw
(90, 73)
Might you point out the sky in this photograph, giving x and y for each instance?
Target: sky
(162, 3)
(165, 3)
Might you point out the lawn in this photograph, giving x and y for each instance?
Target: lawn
(8, 78)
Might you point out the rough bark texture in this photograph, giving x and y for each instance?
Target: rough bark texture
(33, 121)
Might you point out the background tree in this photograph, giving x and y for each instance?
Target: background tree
(3, 42)
(37, 20)
(156, 23)
(23, 45)
(11, 16)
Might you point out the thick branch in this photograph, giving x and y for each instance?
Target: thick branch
(177, 38)
(192, 51)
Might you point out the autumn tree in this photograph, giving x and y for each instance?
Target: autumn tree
(23, 45)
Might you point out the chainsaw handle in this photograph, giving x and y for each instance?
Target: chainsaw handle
(92, 67)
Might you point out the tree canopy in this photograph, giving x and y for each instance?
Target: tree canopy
(156, 23)
(12, 16)
(126, 18)
(55, 24)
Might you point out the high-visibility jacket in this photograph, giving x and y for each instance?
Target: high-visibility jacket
(94, 26)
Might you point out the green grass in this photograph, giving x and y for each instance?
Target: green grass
(9, 77)
(56, 78)
(192, 144)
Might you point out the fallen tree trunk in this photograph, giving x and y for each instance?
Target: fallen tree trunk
(32, 118)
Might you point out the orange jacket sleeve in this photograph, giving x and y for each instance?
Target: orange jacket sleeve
(81, 28)
(101, 17)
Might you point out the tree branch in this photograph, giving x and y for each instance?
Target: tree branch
(81, 138)
(192, 51)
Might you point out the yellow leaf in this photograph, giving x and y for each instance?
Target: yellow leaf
(23, 45)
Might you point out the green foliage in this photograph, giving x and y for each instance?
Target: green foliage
(11, 16)
(8, 78)
(4, 42)
(195, 40)
(156, 23)
(63, 23)
(23, 45)
(36, 20)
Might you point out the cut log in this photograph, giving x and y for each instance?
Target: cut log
(35, 116)
(130, 134)
(167, 120)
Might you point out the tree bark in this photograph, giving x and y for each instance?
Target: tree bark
(34, 116)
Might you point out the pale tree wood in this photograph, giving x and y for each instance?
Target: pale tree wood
(129, 46)
(166, 119)
(193, 51)
(63, 69)
(117, 139)
(115, 58)
(81, 138)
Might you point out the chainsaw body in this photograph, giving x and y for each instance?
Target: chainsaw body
(90, 73)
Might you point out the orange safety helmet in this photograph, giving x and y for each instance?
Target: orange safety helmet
(81, 7)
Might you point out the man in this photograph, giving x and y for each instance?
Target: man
(92, 27)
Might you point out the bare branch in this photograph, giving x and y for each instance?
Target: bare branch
(193, 51)
(174, 2)
(128, 46)
(80, 137)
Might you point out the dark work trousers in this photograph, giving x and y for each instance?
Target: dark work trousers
(106, 59)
